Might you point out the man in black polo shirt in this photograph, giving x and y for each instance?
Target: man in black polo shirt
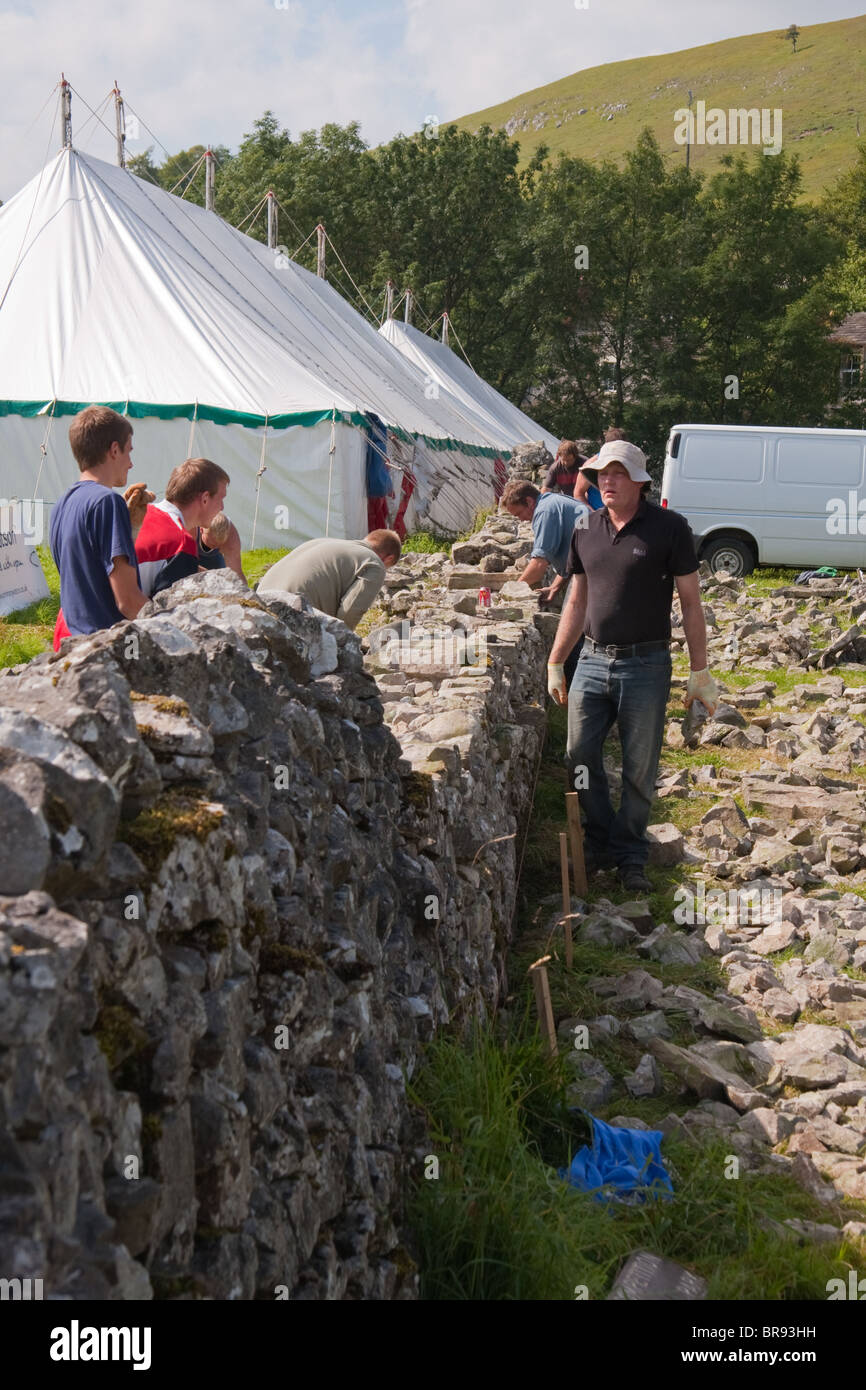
(625, 564)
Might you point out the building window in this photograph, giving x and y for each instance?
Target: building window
(851, 370)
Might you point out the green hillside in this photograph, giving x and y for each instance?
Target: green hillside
(598, 113)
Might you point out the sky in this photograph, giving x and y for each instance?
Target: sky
(196, 72)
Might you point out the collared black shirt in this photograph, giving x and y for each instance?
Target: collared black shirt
(630, 573)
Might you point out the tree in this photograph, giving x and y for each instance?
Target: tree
(761, 312)
(792, 33)
(614, 259)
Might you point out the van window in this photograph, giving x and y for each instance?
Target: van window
(831, 462)
(738, 458)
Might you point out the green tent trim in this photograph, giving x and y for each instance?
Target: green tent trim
(141, 410)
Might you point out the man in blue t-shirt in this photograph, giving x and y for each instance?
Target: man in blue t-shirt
(91, 532)
(553, 518)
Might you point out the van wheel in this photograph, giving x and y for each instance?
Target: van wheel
(729, 553)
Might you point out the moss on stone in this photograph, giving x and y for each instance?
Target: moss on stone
(165, 704)
(151, 1127)
(168, 1286)
(275, 959)
(418, 790)
(119, 1034)
(154, 832)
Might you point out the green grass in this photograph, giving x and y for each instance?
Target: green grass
(819, 90)
(498, 1224)
(427, 543)
(256, 562)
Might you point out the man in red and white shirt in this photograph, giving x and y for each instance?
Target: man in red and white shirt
(166, 546)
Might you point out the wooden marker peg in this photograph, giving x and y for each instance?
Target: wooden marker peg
(566, 931)
(538, 971)
(566, 898)
(575, 835)
(563, 865)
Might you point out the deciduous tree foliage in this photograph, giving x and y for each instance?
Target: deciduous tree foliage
(590, 294)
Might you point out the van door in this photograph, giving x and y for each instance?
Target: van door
(817, 484)
(717, 481)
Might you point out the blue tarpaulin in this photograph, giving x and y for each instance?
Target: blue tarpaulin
(620, 1161)
(378, 476)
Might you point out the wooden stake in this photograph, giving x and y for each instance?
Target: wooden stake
(563, 864)
(566, 898)
(575, 835)
(566, 931)
(541, 985)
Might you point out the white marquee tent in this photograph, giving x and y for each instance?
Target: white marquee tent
(114, 291)
(466, 392)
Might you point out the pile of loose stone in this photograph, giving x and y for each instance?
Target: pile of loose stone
(778, 1065)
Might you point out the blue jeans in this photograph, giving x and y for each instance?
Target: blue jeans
(632, 692)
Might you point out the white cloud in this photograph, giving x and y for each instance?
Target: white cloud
(196, 71)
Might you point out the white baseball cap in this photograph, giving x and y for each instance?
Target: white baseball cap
(630, 456)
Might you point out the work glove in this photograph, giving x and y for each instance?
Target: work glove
(702, 687)
(556, 687)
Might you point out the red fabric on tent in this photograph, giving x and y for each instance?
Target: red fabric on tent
(377, 513)
(406, 489)
(500, 477)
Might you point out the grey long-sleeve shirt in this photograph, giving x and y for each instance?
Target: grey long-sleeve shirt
(341, 578)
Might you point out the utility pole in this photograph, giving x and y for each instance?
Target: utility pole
(272, 220)
(689, 134)
(389, 300)
(208, 180)
(445, 328)
(407, 311)
(120, 125)
(66, 112)
(320, 251)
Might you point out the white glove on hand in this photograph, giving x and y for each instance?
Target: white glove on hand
(702, 687)
(556, 687)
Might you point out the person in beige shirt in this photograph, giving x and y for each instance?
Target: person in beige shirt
(341, 578)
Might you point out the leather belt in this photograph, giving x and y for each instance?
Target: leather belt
(636, 648)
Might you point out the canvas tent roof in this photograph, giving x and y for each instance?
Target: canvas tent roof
(465, 391)
(114, 290)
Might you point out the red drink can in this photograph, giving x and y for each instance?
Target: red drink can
(484, 598)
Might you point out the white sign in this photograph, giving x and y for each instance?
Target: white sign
(21, 577)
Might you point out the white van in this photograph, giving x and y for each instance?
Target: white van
(767, 496)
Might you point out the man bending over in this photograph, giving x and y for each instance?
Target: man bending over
(340, 578)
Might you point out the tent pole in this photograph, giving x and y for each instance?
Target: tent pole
(389, 300)
(208, 180)
(445, 328)
(66, 112)
(262, 469)
(331, 452)
(407, 310)
(320, 251)
(120, 125)
(272, 220)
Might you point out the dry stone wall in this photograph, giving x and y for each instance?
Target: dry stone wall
(242, 883)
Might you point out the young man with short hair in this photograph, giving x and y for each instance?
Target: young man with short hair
(91, 533)
(166, 545)
(341, 578)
